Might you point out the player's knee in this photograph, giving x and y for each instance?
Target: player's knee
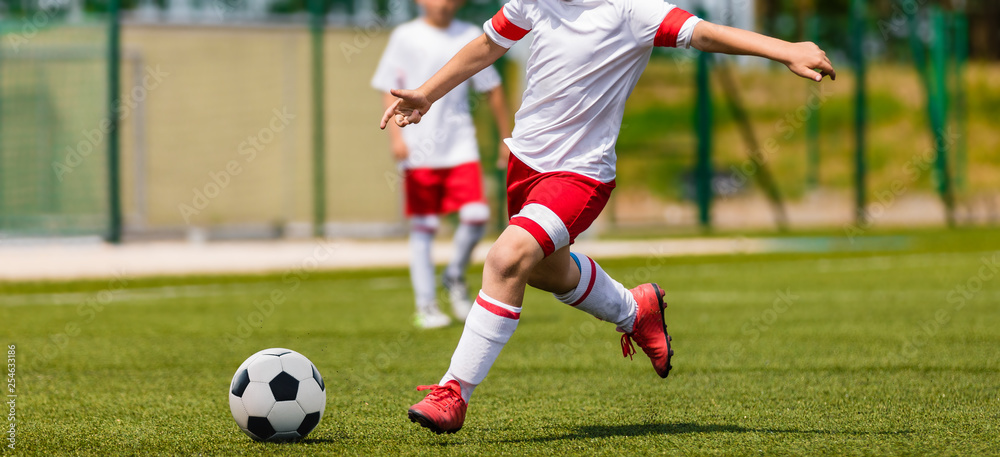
(542, 281)
(426, 223)
(555, 274)
(510, 260)
(474, 213)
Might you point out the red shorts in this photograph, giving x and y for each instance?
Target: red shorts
(431, 191)
(555, 207)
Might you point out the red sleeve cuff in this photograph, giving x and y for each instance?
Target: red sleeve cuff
(507, 29)
(666, 35)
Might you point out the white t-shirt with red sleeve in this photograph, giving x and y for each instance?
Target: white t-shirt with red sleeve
(445, 136)
(584, 62)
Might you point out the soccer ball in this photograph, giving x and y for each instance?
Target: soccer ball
(277, 395)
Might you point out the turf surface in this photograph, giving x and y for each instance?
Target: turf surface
(847, 354)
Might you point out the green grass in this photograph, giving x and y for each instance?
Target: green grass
(833, 371)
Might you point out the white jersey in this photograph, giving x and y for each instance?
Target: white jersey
(445, 136)
(585, 59)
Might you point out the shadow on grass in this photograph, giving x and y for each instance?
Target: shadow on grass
(609, 431)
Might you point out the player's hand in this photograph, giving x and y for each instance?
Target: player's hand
(410, 105)
(809, 61)
(503, 155)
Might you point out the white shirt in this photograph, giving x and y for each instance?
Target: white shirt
(445, 136)
(585, 59)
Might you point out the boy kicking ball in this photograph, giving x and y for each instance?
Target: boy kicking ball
(585, 60)
(440, 158)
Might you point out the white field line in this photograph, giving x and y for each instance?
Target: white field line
(153, 294)
(839, 265)
(78, 261)
(755, 297)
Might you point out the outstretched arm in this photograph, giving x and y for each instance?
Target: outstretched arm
(411, 104)
(804, 59)
(498, 104)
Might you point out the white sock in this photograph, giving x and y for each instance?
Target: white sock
(487, 329)
(466, 237)
(422, 267)
(601, 296)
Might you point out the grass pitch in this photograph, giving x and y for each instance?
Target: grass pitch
(846, 354)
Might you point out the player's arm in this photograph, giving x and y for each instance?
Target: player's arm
(396, 143)
(411, 104)
(804, 59)
(498, 104)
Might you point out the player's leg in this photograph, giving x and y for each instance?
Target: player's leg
(467, 236)
(638, 313)
(489, 326)
(560, 207)
(428, 314)
(494, 318)
(463, 192)
(593, 291)
(422, 205)
(549, 211)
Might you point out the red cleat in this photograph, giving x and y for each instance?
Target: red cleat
(442, 411)
(649, 330)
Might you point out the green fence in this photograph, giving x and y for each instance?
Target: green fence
(53, 126)
(196, 88)
(891, 139)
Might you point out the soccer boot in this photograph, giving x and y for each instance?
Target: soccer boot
(430, 316)
(458, 295)
(442, 411)
(649, 330)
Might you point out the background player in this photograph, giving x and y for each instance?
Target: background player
(440, 158)
(585, 60)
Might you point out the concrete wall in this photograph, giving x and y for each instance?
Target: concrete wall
(219, 130)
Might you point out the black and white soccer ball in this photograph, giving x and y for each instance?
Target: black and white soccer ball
(277, 395)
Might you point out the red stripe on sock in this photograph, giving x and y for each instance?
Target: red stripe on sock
(590, 287)
(502, 312)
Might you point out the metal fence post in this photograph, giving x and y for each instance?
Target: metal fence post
(703, 126)
(812, 124)
(961, 44)
(114, 91)
(858, 10)
(316, 28)
(938, 93)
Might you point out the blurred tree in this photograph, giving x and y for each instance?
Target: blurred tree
(984, 29)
